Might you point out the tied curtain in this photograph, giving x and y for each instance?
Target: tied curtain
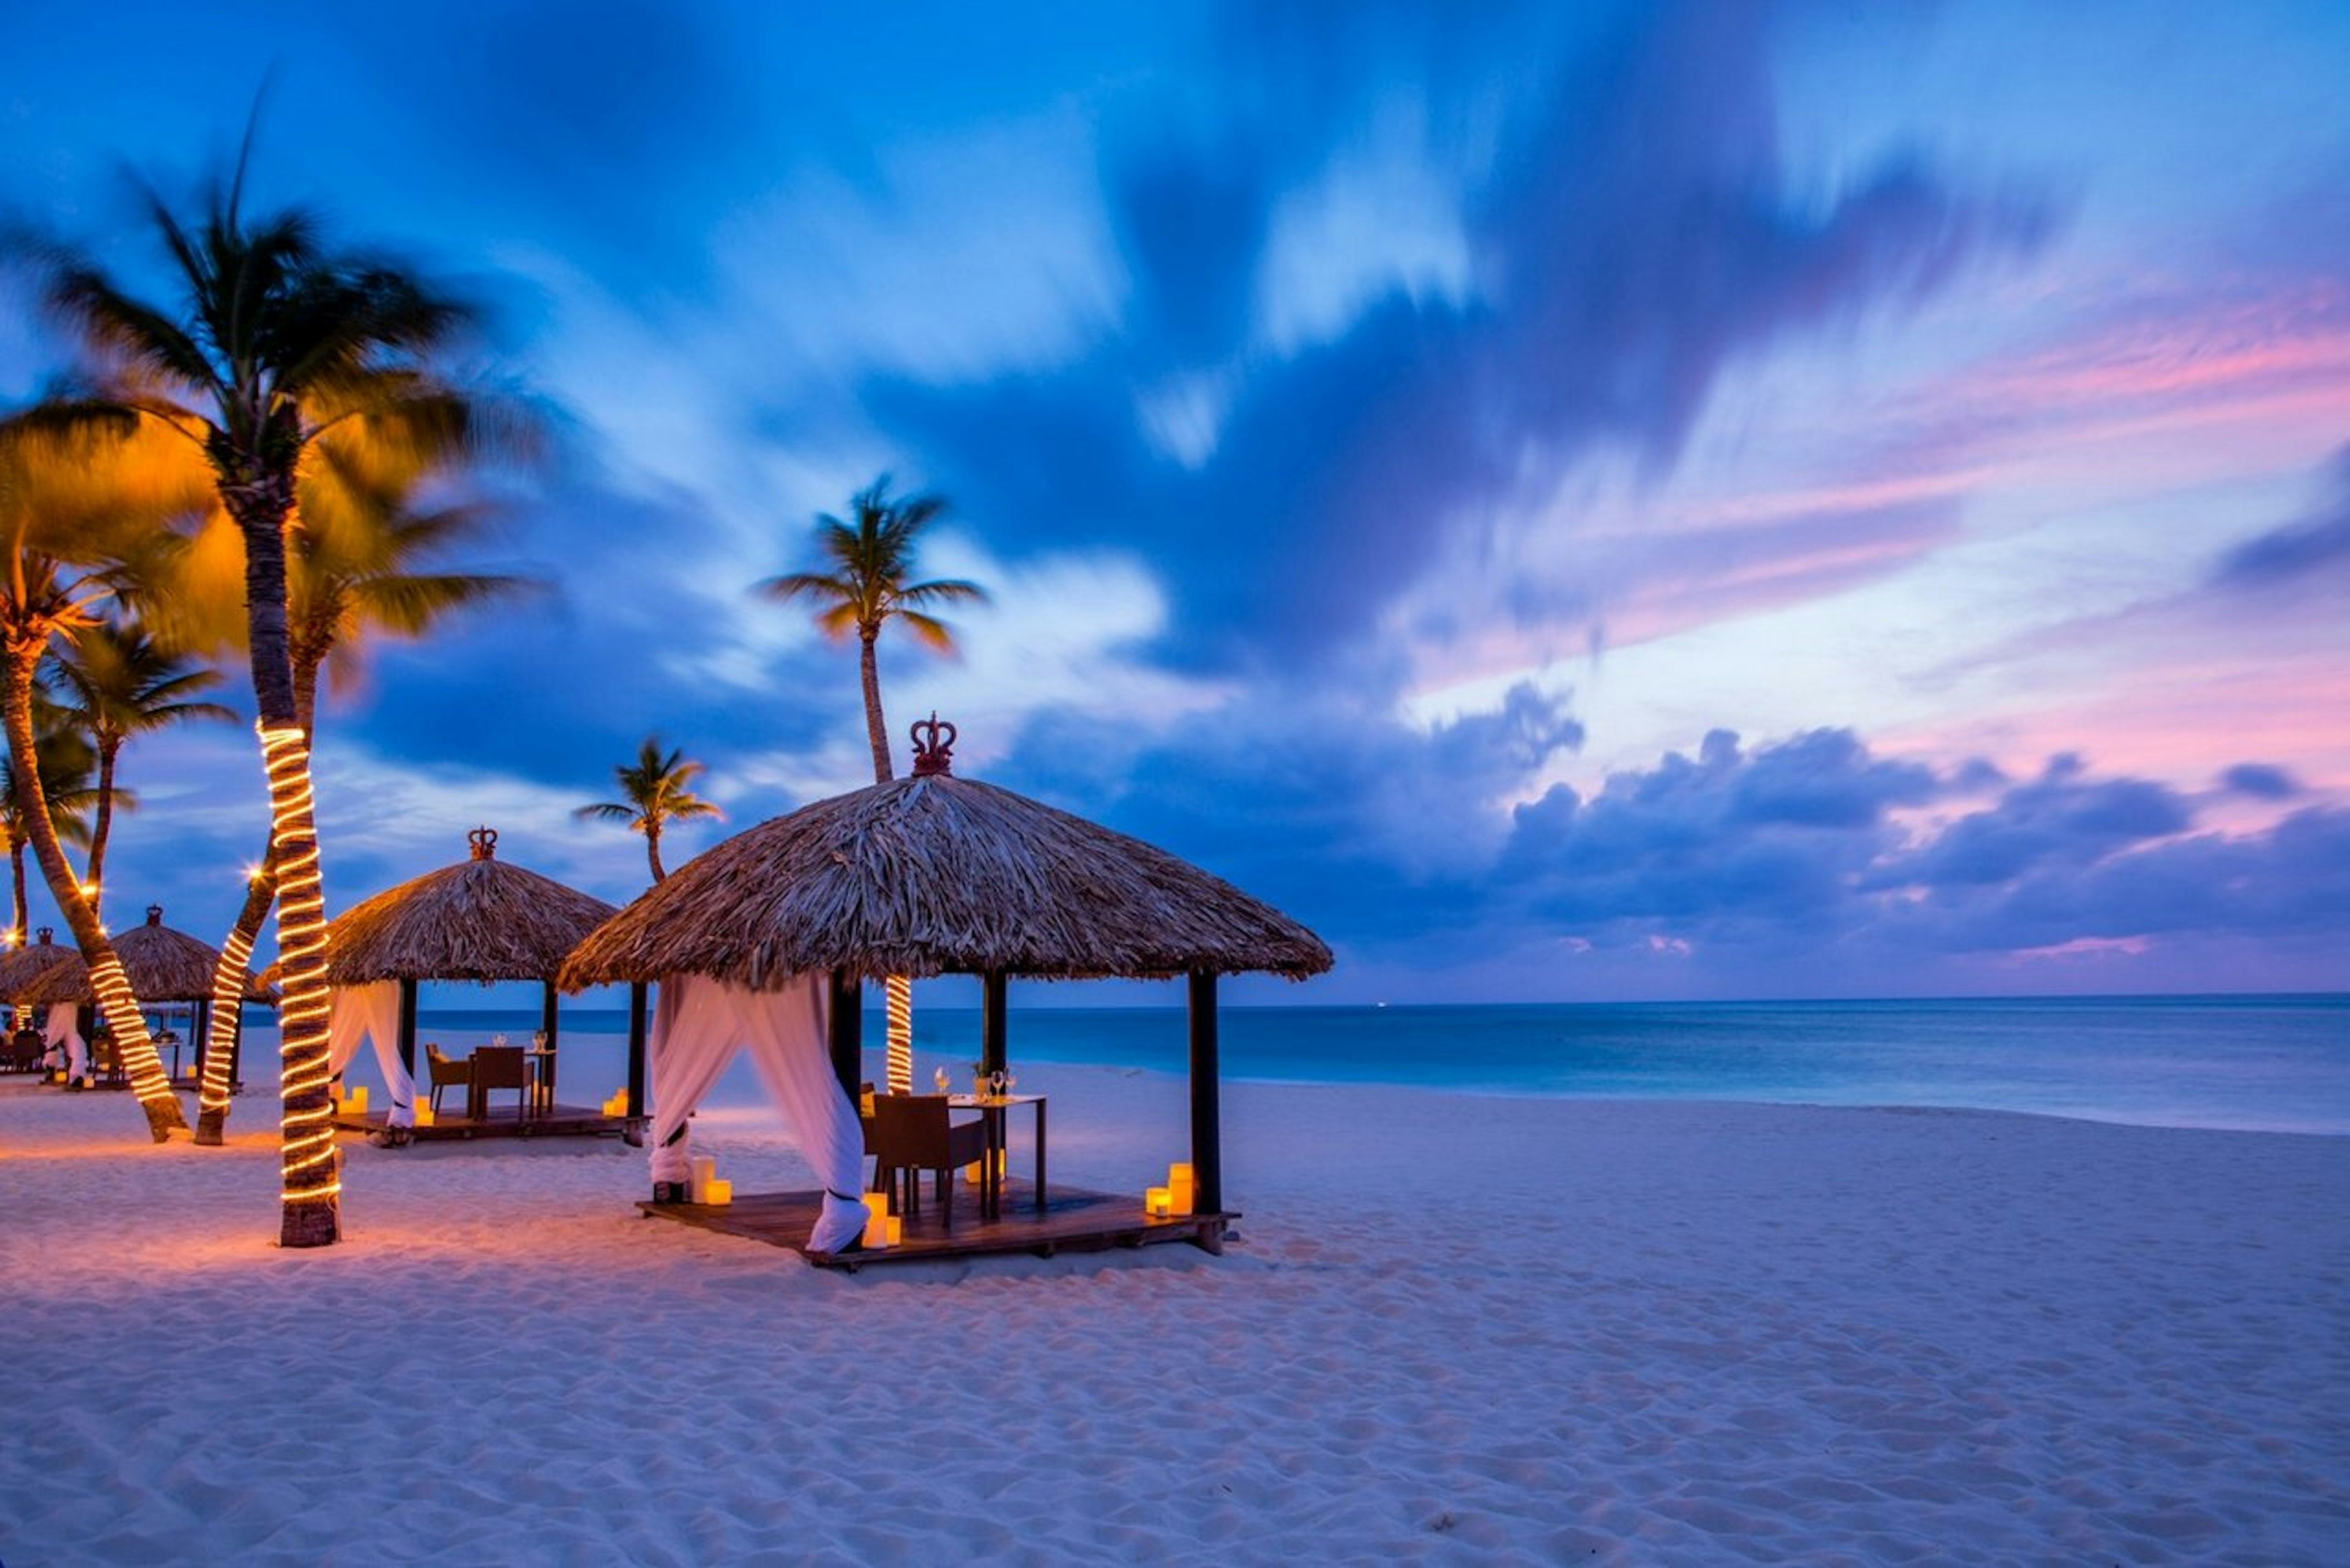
(372, 1011)
(67, 1049)
(700, 1024)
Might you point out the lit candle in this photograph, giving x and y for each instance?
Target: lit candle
(359, 1100)
(878, 1223)
(1182, 1190)
(896, 1230)
(423, 1113)
(620, 1102)
(1155, 1202)
(703, 1168)
(718, 1189)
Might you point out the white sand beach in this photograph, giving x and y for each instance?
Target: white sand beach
(1454, 1329)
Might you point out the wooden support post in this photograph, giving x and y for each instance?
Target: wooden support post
(847, 1031)
(636, 1048)
(200, 1023)
(408, 1027)
(546, 1024)
(992, 990)
(1207, 1131)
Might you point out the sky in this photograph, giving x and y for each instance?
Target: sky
(1570, 501)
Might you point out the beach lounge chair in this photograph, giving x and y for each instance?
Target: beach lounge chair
(498, 1067)
(911, 1134)
(448, 1074)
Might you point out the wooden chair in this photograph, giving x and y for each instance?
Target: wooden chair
(449, 1074)
(911, 1134)
(106, 1062)
(498, 1067)
(24, 1050)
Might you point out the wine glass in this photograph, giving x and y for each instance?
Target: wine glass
(938, 1076)
(1010, 1080)
(995, 1082)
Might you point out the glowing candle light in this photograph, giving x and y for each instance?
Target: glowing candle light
(1155, 1202)
(703, 1168)
(718, 1190)
(423, 1113)
(877, 1219)
(1182, 1188)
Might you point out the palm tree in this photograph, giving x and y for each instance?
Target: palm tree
(653, 793)
(61, 512)
(275, 341)
(121, 682)
(364, 566)
(66, 765)
(867, 587)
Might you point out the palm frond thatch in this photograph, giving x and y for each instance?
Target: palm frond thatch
(933, 875)
(161, 963)
(25, 967)
(481, 919)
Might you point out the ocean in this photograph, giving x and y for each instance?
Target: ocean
(2262, 1063)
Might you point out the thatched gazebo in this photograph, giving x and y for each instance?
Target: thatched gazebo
(931, 874)
(22, 968)
(483, 919)
(162, 966)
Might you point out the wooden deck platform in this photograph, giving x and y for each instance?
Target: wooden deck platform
(1074, 1219)
(563, 1121)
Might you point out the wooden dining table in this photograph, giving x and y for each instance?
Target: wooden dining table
(995, 1112)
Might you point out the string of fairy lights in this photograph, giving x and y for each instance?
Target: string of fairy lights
(111, 988)
(900, 1059)
(221, 1029)
(309, 1172)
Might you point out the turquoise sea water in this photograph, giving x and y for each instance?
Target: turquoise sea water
(2267, 1062)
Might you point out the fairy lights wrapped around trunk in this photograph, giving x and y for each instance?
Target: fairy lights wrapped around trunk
(309, 1186)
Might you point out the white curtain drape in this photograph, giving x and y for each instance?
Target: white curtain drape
(62, 1028)
(372, 1011)
(698, 1026)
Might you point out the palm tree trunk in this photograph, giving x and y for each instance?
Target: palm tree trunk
(147, 1081)
(228, 1005)
(103, 822)
(217, 1097)
(24, 911)
(260, 496)
(652, 851)
(869, 667)
(897, 1061)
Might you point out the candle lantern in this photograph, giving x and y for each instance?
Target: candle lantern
(1182, 1188)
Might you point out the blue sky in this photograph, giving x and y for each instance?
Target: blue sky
(1572, 501)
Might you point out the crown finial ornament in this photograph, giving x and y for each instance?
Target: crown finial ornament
(935, 741)
(154, 914)
(484, 841)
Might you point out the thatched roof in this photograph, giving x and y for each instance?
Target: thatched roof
(933, 875)
(482, 919)
(162, 965)
(22, 967)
